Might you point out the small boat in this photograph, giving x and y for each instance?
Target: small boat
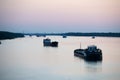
(93, 37)
(47, 42)
(37, 35)
(30, 35)
(54, 44)
(64, 36)
(91, 53)
(44, 35)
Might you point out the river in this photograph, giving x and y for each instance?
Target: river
(27, 59)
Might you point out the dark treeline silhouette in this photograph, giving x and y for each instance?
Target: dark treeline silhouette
(9, 35)
(110, 34)
(94, 34)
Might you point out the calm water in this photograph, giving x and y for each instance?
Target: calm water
(27, 59)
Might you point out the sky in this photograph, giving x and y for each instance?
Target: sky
(39, 16)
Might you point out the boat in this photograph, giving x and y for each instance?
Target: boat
(47, 42)
(93, 37)
(64, 36)
(30, 35)
(44, 35)
(37, 35)
(91, 53)
(54, 44)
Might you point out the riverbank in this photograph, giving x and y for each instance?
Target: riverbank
(9, 35)
(109, 34)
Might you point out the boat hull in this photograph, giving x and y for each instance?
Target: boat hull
(90, 56)
(94, 57)
(47, 44)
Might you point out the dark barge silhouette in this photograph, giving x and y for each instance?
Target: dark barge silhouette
(90, 54)
(47, 42)
(54, 44)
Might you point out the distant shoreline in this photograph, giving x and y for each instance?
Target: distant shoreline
(78, 34)
(10, 35)
(95, 34)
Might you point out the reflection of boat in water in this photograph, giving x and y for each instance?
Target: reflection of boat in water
(91, 53)
(47, 42)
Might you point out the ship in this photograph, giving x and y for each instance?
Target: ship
(47, 42)
(91, 53)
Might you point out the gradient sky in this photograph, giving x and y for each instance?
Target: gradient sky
(60, 15)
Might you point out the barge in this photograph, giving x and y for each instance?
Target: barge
(90, 53)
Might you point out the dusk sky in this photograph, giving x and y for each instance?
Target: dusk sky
(60, 15)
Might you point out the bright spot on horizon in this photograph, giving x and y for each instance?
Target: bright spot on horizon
(60, 15)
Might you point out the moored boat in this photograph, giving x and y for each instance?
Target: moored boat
(91, 53)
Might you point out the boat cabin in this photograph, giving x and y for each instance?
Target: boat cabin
(47, 42)
(92, 48)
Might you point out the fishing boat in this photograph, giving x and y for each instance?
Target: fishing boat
(90, 53)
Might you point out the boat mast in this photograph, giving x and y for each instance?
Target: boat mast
(80, 45)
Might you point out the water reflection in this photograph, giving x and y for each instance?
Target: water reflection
(90, 66)
(93, 66)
